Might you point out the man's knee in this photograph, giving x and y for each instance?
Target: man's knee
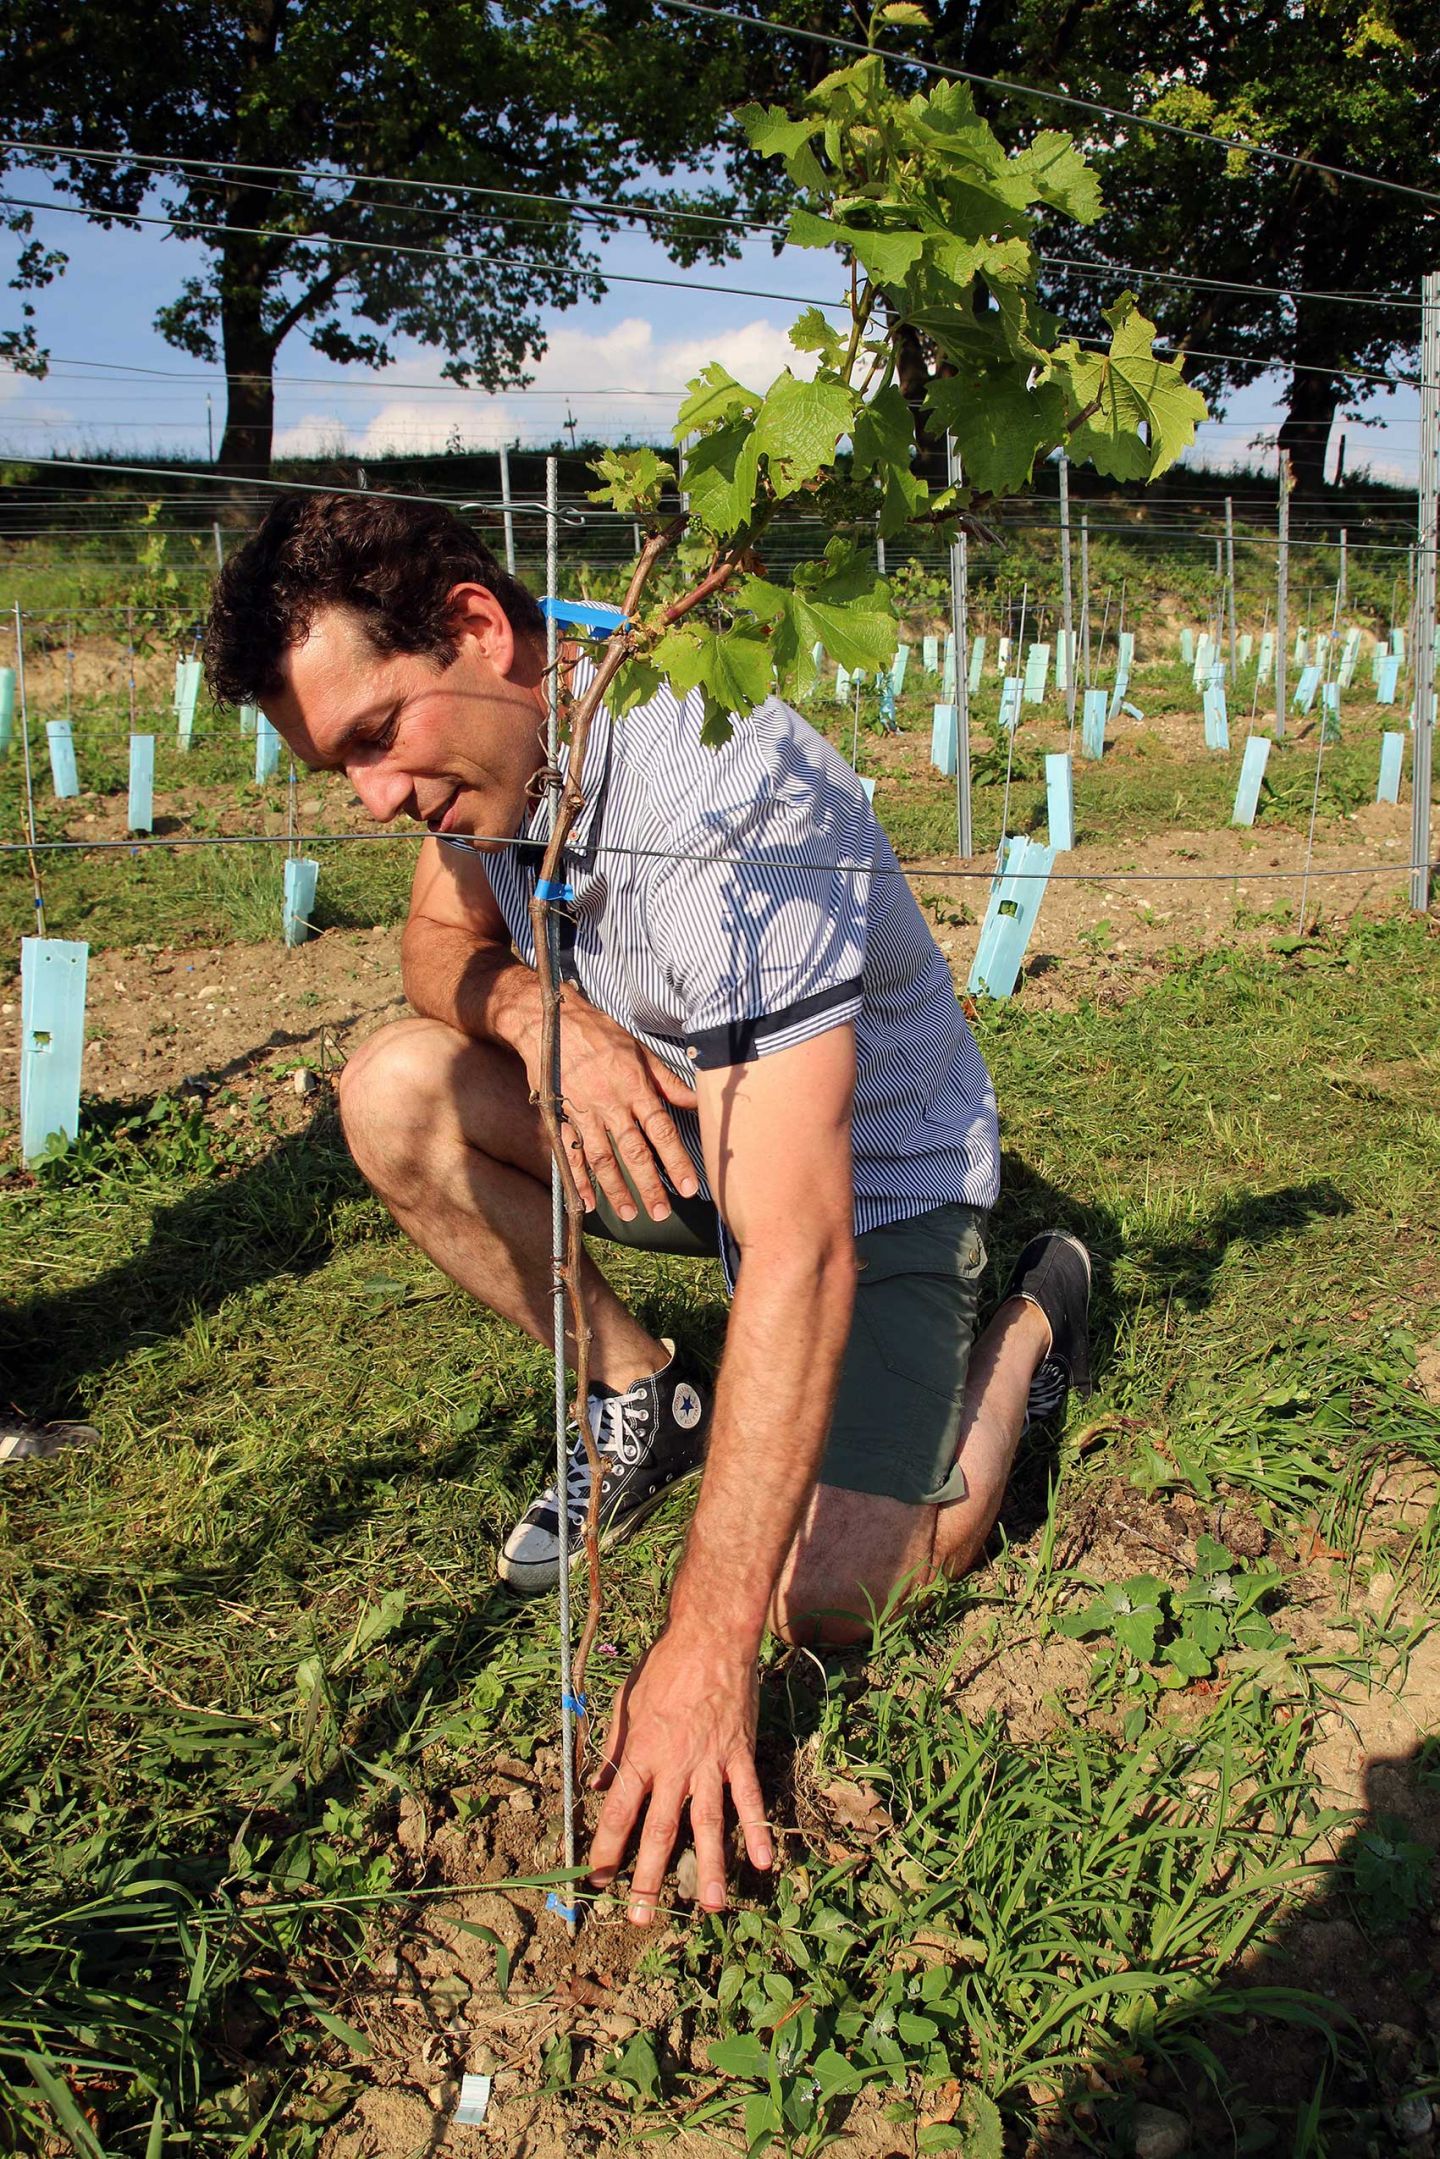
(855, 1555)
(390, 1092)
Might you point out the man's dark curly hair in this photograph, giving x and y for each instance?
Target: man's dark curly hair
(395, 563)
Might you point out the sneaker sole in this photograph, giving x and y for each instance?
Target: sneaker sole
(534, 1576)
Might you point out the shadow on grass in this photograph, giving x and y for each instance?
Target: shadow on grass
(227, 1234)
(1325, 2044)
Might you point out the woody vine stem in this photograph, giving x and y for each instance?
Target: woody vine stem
(545, 927)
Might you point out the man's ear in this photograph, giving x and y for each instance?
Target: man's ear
(476, 614)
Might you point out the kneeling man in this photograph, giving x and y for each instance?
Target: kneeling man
(763, 1057)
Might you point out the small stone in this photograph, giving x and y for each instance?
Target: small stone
(687, 1876)
(521, 1802)
(1380, 1591)
(303, 1080)
(7, 1009)
(1159, 2133)
(1413, 2116)
(617, 2026)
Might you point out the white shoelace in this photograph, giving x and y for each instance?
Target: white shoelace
(620, 1425)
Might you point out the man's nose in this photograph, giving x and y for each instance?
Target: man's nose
(383, 792)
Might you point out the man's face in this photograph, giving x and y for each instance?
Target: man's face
(454, 747)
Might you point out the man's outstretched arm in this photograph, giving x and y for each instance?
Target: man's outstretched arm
(777, 1150)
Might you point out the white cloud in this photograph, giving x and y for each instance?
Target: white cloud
(622, 381)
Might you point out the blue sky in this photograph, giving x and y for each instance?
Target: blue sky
(616, 366)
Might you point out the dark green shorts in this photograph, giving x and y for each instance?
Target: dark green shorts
(902, 1383)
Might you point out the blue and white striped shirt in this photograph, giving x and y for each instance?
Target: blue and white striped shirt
(724, 909)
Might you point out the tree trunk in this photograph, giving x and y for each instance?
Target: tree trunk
(1305, 431)
(249, 354)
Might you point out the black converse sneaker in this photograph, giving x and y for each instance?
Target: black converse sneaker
(1053, 1273)
(650, 1440)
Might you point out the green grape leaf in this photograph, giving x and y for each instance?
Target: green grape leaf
(635, 683)
(799, 427)
(722, 472)
(906, 498)
(856, 631)
(883, 433)
(773, 132)
(737, 668)
(632, 480)
(1132, 389)
(812, 333)
(715, 395)
(1060, 176)
(999, 424)
(906, 12)
(888, 256)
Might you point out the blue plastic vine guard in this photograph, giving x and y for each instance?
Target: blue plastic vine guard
(7, 706)
(1217, 719)
(944, 739)
(247, 719)
(189, 693)
(1060, 801)
(897, 669)
(1252, 773)
(1092, 723)
(1037, 674)
(1387, 679)
(53, 974)
(140, 816)
(1012, 691)
(267, 750)
(1305, 688)
(300, 876)
(930, 655)
(1392, 757)
(1010, 916)
(63, 775)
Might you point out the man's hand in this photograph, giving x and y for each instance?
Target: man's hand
(683, 1728)
(617, 1097)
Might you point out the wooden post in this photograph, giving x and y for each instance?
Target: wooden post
(1423, 643)
(1282, 595)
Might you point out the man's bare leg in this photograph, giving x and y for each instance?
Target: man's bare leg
(854, 1550)
(443, 1129)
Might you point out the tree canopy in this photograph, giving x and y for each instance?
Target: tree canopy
(1344, 83)
(399, 118)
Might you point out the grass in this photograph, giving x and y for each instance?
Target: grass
(262, 1611)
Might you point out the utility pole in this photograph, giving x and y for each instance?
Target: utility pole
(508, 512)
(1230, 575)
(1085, 594)
(1282, 596)
(959, 625)
(1067, 597)
(1423, 637)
